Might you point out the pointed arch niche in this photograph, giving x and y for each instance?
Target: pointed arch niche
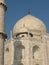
(18, 48)
(36, 52)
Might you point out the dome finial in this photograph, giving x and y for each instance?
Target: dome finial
(29, 11)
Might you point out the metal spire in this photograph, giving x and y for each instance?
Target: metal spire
(28, 11)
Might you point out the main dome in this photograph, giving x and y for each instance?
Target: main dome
(30, 22)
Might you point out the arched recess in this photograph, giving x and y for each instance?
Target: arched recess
(18, 48)
(7, 49)
(36, 52)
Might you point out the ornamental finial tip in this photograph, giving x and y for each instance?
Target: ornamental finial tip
(29, 11)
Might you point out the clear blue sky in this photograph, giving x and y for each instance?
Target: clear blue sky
(16, 9)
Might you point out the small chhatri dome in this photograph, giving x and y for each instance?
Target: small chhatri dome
(30, 22)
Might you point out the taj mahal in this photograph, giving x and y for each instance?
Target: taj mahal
(28, 44)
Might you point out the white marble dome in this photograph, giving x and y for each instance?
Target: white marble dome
(30, 22)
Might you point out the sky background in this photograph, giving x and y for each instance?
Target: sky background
(16, 9)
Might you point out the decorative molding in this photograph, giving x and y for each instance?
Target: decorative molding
(4, 5)
(3, 35)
